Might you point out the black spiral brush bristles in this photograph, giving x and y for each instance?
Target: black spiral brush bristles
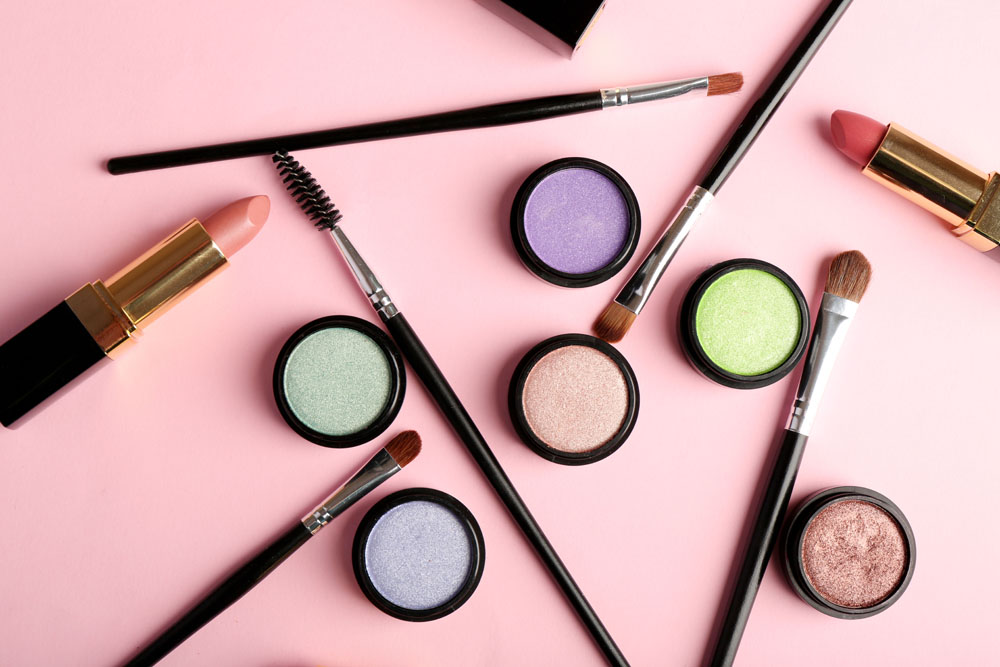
(311, 197)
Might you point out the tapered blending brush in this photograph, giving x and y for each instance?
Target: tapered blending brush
(395, 456)
(846, 283)
(317, 206)
(503, 113)
(618, 317)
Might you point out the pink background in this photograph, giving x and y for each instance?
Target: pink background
(126, 499)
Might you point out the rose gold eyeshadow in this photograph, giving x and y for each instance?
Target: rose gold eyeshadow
(854, 554)
(575, 399)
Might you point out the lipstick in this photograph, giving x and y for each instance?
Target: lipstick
(103, 318)
(951, 189)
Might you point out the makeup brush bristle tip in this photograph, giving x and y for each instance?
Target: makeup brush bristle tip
(723, 84)
(404, 447)
(849, 275)
(614, 322)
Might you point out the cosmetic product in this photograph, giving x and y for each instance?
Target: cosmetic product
(491, 115)
(965, 197)
(317, 206)
(395, 456)
(849, 552)
(573, 399)
(339, 381)
(846, 283)
(744, 324)
(419, 554)
(569, 20)
(102, 319)
(618, 317)
(575, 222)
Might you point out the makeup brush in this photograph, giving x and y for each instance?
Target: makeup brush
(503, 113)
(846, 283)
(317, 206)
(399, 453)
(620, 314)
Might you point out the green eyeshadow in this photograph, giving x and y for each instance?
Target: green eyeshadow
(338, 381)
(745, 323)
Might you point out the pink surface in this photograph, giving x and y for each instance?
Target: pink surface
(126, 499)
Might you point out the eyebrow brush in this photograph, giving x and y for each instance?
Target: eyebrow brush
(317, 206)
(389, 460)
(490, 115)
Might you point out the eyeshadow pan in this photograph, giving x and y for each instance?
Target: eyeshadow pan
(575, 222)
(849, 552)
(748, 322)
(418, 554)
(573, 399)
(339, 381)
(854, 554)
(744, 323)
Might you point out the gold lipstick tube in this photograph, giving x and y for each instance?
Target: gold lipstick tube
(114, 311)
(955, 191)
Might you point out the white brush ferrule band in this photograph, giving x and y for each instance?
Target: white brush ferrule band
(835, 315)
(380, 301)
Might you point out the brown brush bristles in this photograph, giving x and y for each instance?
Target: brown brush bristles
(404, 447)
(723, 84)
(849, 275)
(614, 322)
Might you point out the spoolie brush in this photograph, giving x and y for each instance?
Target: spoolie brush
(396, 455)
(846, 283)
(318, 207)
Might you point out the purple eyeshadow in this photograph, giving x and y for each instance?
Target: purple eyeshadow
(576, 220)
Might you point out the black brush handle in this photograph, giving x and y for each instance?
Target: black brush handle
(452, 408)
(764, 107)
(225, 594)
(766, 525)
(504, 113)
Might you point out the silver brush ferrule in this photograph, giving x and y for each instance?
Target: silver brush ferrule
(366, 277)
(381, 467)
(637, 290)
(835, 315)
(617, 97)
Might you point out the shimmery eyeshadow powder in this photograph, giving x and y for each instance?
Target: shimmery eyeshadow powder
(575, 399)
(337, 381)
(418, 555)
(748, 322)
(854, 554)
(576, 220)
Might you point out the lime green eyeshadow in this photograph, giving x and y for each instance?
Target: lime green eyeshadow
(337, 381)
(748, 322)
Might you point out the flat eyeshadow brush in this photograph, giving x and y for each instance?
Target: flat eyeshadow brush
(317, 206)
(503, 113)
(400, 451)
(618, 317)
(846, 283)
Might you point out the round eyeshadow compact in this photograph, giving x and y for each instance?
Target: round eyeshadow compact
(849, 552)
(744, 324)
(419, 554)
(575, 222)
(339, 381)
(573, 399)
